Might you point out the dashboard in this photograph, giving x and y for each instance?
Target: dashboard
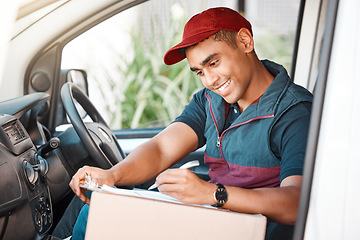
(36, 168)
(25, 202)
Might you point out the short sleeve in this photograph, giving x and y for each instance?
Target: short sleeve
(194, 115)
(289, 139)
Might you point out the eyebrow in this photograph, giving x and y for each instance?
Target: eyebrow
(205, 61)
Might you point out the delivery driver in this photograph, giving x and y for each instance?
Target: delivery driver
(252, 118)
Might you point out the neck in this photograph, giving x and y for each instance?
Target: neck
(260, 81)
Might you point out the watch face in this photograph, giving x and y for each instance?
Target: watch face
(221, 195)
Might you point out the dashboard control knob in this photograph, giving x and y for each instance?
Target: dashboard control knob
(42, 167)
(30, 173)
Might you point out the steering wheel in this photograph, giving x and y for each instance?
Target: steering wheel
(96, 136)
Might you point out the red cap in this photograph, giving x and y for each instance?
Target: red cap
(202, 26)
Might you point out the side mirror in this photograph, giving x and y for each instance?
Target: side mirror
(77, 76)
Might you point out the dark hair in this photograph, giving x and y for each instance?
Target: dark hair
(229, 37)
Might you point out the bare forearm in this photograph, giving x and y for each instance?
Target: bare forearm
(144, 163)
(156, 155)
(278, 204)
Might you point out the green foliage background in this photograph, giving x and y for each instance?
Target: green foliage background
(151, 94)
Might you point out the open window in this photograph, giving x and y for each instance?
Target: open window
(123, 57)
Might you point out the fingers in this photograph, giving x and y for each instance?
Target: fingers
(177, 183)
(76, 180)
(185, 186)
(172, 177)
(83, 197)
(98, 175)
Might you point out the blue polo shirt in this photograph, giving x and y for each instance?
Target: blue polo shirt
(259, 147)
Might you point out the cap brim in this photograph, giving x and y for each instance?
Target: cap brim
(175, 55)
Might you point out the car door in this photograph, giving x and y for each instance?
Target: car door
(329, 199)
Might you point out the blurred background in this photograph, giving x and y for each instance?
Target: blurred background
(124, 55)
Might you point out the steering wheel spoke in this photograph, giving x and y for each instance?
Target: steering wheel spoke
(96, 136)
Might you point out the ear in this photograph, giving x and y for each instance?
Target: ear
(245, 40)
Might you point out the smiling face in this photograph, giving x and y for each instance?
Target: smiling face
(222, 68)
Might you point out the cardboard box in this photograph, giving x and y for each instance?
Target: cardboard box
(114, 216)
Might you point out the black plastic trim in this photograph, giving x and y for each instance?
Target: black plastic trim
(5, 223)
(297, 39)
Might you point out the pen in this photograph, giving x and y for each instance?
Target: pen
(185, 166)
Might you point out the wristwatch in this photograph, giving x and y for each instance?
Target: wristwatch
(220, 195)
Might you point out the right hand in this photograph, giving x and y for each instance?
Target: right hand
(100, 176)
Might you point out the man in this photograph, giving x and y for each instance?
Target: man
(251, 117)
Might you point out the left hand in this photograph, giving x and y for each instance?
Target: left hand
(186, 187)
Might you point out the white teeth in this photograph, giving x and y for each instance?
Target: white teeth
(227, 83)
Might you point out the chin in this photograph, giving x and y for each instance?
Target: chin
(230, 99)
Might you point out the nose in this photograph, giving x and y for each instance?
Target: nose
(210, 78)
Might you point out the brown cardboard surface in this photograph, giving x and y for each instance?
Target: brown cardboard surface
(124, 217)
